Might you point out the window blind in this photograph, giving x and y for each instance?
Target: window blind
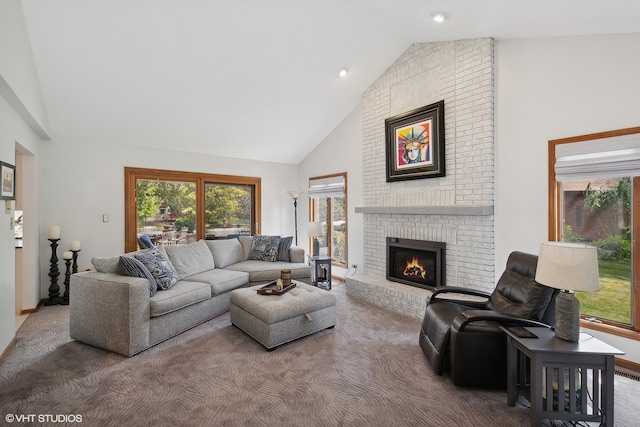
(614, 157)
(327, 187)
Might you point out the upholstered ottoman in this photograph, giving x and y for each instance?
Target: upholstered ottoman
(273, 320)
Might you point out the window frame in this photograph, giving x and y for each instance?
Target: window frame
(330, 219)
(132, 174)
(631, 331)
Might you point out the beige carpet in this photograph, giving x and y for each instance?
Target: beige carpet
(367, 371)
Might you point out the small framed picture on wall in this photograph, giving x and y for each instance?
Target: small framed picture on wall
(7, 181)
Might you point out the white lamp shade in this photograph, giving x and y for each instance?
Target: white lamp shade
(569, 266)
(315, 229)
(295, 194)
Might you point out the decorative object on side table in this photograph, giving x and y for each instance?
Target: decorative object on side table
(415, 143)
(321, 271)
(66, 256)
(295, 194)
(54, 289)
(315, 231)
(569, 267)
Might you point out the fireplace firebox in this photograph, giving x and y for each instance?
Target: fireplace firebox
(419, 263)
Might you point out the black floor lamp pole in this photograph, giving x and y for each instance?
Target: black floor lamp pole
(295, 208)
(295, 194)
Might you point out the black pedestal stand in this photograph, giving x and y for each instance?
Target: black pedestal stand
(54, 289)
(67, 277)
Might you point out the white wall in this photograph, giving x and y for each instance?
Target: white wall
(340, 151)
(21, 110)
(548, 89)
(82, 180)
(19, 82)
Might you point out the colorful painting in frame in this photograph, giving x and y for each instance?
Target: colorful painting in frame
(7, 181)
(415, 143)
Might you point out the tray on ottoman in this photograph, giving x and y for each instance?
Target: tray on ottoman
(303, 310)
(272, 289)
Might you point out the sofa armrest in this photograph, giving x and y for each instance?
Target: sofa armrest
(110, 311)
(296, 254)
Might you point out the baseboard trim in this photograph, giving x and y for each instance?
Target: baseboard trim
(33, 310)
(6, 351)
(627, 368)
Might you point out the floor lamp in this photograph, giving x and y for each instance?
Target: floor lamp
(295, 194)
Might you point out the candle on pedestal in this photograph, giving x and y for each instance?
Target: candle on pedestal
(67, 255)
(54, 232)
(75, 245)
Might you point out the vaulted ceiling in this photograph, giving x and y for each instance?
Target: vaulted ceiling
(255, 79)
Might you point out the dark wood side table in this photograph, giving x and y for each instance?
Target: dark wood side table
(582, 370)
(321, 271)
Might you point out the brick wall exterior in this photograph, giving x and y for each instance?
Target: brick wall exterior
(462, 74)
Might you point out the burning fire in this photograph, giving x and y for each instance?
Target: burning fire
(414, 269)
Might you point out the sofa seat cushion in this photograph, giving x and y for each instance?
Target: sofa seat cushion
(180, 295)
(191, 259)
(221, 281)
(262, 271)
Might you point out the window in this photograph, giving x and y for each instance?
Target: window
(594, 197)
(175, 207)
(328, 205)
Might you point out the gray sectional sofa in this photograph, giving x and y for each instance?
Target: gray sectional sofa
(125, 314)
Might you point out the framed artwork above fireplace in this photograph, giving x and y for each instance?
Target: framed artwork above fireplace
(415, 143)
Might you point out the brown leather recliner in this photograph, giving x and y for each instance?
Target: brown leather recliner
(464, 336)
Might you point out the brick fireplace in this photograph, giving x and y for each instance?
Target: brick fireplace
(456, 209)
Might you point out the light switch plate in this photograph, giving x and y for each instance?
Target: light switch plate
(105, 218)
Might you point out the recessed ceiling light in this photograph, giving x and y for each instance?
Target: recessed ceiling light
(342, 72)
(439, 16)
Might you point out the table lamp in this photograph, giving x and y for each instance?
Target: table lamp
(569, 267)
(315, 231)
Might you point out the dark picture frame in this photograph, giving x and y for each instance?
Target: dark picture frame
(7, 181)
(415, 143)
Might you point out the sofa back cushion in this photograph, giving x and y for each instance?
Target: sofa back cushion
(246, 242)
(191, 259)
(226, 252)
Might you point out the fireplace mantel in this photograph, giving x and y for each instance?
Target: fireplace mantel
(428, 210)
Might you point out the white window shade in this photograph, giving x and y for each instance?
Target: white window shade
(327, 187)
(603, 158)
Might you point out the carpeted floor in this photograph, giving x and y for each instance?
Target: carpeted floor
(367, 371)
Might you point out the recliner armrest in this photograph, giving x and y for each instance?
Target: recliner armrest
(459, 290)
(470, 316)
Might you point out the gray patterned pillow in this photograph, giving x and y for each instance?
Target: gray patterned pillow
(283, 249)
(264, 248)
(129, 266)
(160, 268)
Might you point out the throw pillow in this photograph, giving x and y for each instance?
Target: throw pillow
(264, 248)
(129, 266)
(160, 268)
(283, 249)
